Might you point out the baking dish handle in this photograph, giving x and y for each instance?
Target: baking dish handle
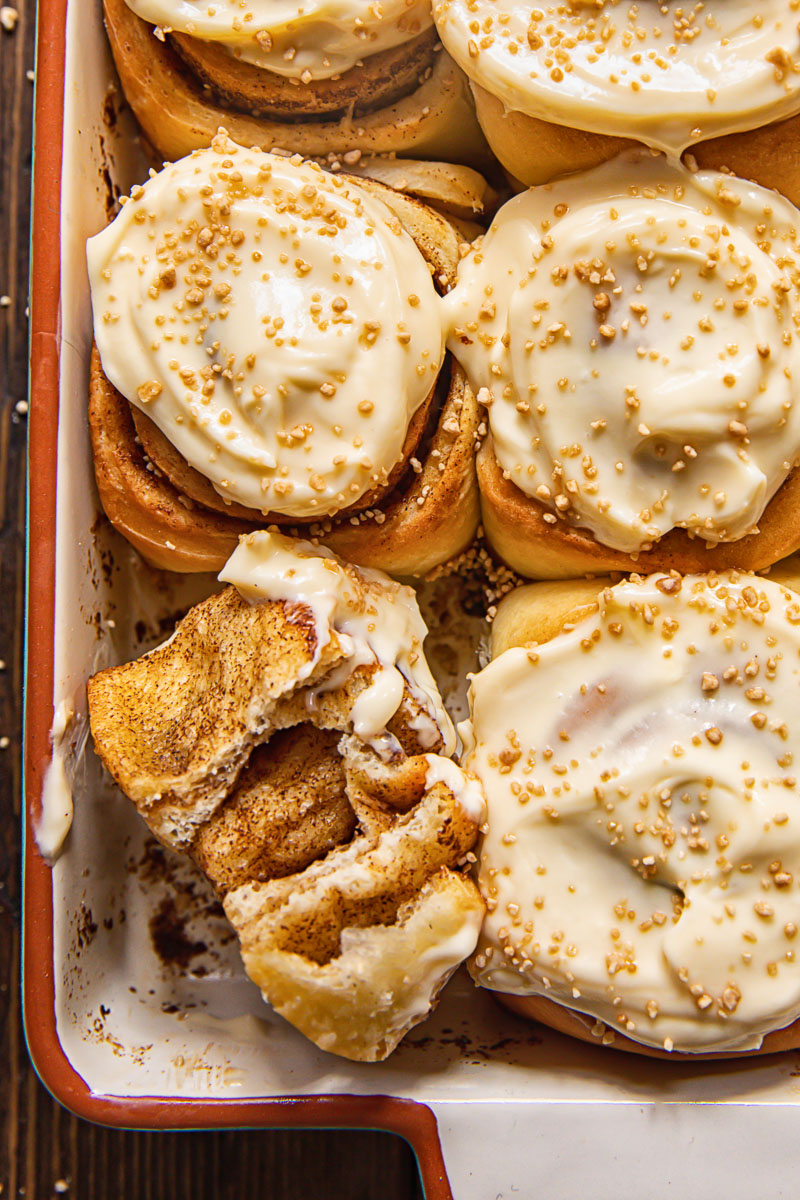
(560, 1150)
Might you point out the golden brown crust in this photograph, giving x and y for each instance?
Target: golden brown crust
(430, 518)
(537, 612)
(338, 868)
(165, 527)
(178, 115)
(516, 529)
(536, 151)
(381, 79)
(436, 516)
(564, 1020)
(452, 189)
(160, 451)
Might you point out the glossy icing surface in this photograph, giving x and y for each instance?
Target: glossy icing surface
(315, 40)
(642, 859)
(276, 322)
(666, 72)
(632, 330)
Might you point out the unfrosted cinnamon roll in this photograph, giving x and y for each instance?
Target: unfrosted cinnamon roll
(269, 339)
(291, 739)
(347, 78)
(642, 861)
(632, 332)
(563, 85)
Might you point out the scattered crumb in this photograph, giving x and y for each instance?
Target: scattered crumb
(30, 76)
(4, 743)
(5, 301)
(488, 578)
(61, 1186)
(21, 408)
(8, 18)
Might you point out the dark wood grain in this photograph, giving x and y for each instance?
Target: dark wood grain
(44, 1150)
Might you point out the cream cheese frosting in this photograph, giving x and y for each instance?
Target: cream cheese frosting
(666, 72)
(378, 619)
(633, 330)
(314, 40)
(276, 322)
(642, 856)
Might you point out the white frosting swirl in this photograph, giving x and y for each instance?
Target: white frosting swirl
(642, 860)
(666, 72)
(315, 40)
(276, 322)
(635, 329)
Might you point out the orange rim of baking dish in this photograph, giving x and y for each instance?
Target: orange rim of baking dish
(413, 1121)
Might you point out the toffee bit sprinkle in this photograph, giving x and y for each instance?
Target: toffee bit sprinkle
(552, 729)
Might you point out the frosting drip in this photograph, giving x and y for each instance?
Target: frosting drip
(667, 73)
(276, 322)
(634, 331)
(379, 618)
(316, 40)
(642, 860)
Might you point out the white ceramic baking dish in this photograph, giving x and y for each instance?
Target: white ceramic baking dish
(124, 1034)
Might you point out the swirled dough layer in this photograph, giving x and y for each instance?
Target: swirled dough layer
(666, 73)
(315, 40)
(634, 331)
(642, 860)
(276, 322)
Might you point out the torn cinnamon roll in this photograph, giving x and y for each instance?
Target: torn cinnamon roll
(290, 738)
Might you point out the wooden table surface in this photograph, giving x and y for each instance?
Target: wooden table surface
(44, 1150)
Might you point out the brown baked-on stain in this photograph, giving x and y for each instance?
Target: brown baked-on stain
(110, 191)
(505, 1049)
(108, 111)
(171, 941)
(86, 927)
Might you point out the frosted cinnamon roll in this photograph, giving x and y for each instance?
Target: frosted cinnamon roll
(317, 78)
(272, 332)
(565, 84)
(632, 333)
(642, 860)
(291, 739)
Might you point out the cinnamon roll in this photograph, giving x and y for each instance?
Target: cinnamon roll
(566, 84)
(270, 350)
(290, 738)
(642, 861)
(346, 78)
(632, 332)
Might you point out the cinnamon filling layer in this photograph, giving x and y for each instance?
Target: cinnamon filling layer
(380, 80)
